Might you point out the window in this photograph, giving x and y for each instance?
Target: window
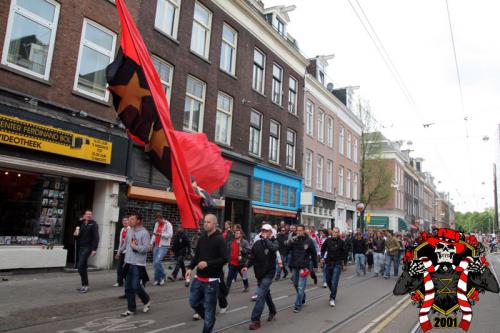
(349, 145)
(290, 148)
(329, 132)
(321, 77)
(292, 95)
(321, 126)
(309, 118)
(348, 184)
(355, 153)
(279, 26)
(167, 16)
(259, 66)
(340, 186)
(308, 168)
(200, 36)
(284, 195)
(277, 84)
(223, 118)
(97, 49)
(165, 71)
(355, 187)
(274, 142)
(329, 176)
(228, 49)
(194, 105)
(31, 32)
(319, 173)
(341, 141)
(276, 194)
(255, 132)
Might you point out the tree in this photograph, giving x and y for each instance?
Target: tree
(476, 222)
(376, 176)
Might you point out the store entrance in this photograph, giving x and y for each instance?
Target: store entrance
(80, 198)
(236, 210)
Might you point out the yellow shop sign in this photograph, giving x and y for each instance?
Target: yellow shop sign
(22, 133)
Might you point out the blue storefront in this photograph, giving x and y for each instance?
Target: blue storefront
(275, 196)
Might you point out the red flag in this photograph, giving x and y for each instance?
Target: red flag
(142, 106)
(204, 160)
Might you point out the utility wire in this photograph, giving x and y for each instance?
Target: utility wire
(457, 70)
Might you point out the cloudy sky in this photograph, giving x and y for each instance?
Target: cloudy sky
(416, 36)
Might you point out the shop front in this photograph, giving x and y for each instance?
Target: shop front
(275, 198)
(237, 192)
(54, 166)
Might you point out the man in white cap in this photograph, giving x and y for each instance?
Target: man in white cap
(263, 258)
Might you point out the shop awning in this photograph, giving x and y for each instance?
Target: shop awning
(149, 194)
(403, 225)
(378, 222)
(274, 212)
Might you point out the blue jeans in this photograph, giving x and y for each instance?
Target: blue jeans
(159, 253)
(284, 260)
(359, 258)
(263, 297)
(378, 262)
(388, 260)
(332, 272)
(203, 300)
(83, 257)
(232, 273)
(134, 287)
(299, 284)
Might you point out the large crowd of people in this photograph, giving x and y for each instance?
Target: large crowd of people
(219, 254)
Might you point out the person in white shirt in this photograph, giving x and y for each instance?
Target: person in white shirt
(162, 234)
(121, 256)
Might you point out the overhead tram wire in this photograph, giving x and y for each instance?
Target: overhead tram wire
(459, 80)
(388, 57)
(392, 68)
(397, 78)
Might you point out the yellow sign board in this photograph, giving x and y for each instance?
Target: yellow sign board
(22, 133)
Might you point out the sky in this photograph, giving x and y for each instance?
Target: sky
(416, 37)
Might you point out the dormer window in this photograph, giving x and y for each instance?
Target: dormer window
(279, 26)
(321, 77)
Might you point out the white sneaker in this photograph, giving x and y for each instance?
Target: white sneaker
(146, 307)
(254, 298)
(325, 285)
(162, 282)
(332, 303)
(196, 316)
(127, 313)
(116, 285)
(84, 289)
(155, 283)
(223, 310)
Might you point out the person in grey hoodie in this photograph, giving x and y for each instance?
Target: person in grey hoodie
(136, 247)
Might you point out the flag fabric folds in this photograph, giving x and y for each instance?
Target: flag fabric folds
(141, 104)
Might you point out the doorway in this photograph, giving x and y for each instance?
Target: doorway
(80, 198)
(237, 211)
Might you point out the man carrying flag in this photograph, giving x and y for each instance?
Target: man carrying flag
(141, 104)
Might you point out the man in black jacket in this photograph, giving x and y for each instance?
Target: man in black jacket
(282, 238)
(333, 254)
(181, 247)
(263, 258)
(303, 255)
(359, 248)
(87, 237)
(209, 258)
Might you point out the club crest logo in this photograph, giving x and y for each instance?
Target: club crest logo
(444, 274)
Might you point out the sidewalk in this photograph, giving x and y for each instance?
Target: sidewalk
(33, 298)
